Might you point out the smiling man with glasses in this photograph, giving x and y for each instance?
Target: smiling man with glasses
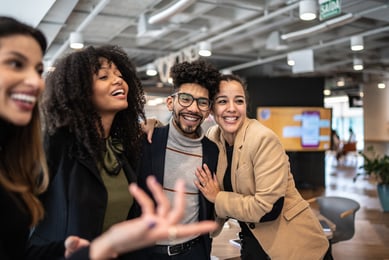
(177, 150)
(188, 115)
(186, 100)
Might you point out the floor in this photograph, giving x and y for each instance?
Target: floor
(371, 239)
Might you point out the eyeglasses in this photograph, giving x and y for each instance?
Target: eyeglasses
(186, 100)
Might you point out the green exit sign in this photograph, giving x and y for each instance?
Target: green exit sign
(329, 8)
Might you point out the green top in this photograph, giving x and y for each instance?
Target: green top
(115, 181)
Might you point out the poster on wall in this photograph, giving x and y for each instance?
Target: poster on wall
(299, 128)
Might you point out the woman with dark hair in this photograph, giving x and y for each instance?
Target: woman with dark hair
(91, 106)
(23, 170)
(253, 184)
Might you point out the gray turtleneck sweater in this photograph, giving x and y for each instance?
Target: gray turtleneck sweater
(183, 156)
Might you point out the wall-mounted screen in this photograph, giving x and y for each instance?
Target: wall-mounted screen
(299, 128)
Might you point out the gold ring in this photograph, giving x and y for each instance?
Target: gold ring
(172, 233)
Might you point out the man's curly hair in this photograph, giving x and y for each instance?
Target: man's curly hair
(200, 72)
(67, 101)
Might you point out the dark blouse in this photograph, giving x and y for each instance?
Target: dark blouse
(14, 219)
(227, 176)
(14, 226)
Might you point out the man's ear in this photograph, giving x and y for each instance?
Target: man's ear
(169, 103)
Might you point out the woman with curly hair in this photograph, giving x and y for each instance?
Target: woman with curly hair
(91, 106)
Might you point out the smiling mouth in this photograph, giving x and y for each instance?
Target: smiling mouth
(118, 92)
(191, 117)
(230, 118)
(30, 99)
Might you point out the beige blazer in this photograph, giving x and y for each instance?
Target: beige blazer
(260, 175)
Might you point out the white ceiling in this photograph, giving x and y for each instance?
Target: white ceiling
(237, 30)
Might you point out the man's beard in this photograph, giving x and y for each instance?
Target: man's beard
(187, 129)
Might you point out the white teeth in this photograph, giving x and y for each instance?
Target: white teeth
(118, 92)
(190, 118)
(24, 97)
(230, 118)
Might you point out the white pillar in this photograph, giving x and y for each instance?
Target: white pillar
(376, 117)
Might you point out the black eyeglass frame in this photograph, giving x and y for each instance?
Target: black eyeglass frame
(179, 94)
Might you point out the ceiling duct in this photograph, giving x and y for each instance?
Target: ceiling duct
(347, 18)
(146, 29)
(335, 22)
(100, 6)
(313, 47)
(171, 10)
(274, 42)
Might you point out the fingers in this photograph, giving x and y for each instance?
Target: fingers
(163, 204)
(142, 198)
(74, 243)
(150, 135)
(148, 128)
(215, 182)
(173, 232)
(198, 184)
(203, 175)
(152, 123)
(70, 245)
(206, 169)
(206, 172)
(195, 229)
(71, 241)
(179, 202)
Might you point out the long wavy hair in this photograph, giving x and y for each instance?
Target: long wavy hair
(23, 168)
(67, 101)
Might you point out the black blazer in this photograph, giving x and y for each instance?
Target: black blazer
(153, 161)
(76, 199)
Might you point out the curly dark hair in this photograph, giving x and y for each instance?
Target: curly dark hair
(67, 101)
(199, 71)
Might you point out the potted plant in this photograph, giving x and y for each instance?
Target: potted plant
(377, 168)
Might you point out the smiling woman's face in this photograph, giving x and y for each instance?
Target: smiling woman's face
(229, 108)
(110, 90)
(21, 81)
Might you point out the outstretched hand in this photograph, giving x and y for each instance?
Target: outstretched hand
(154, 224)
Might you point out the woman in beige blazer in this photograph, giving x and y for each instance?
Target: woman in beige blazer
(254, 185)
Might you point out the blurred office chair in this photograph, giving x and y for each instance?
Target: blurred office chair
(348, 155)
(341, 211)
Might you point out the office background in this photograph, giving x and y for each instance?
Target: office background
(291, 52)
